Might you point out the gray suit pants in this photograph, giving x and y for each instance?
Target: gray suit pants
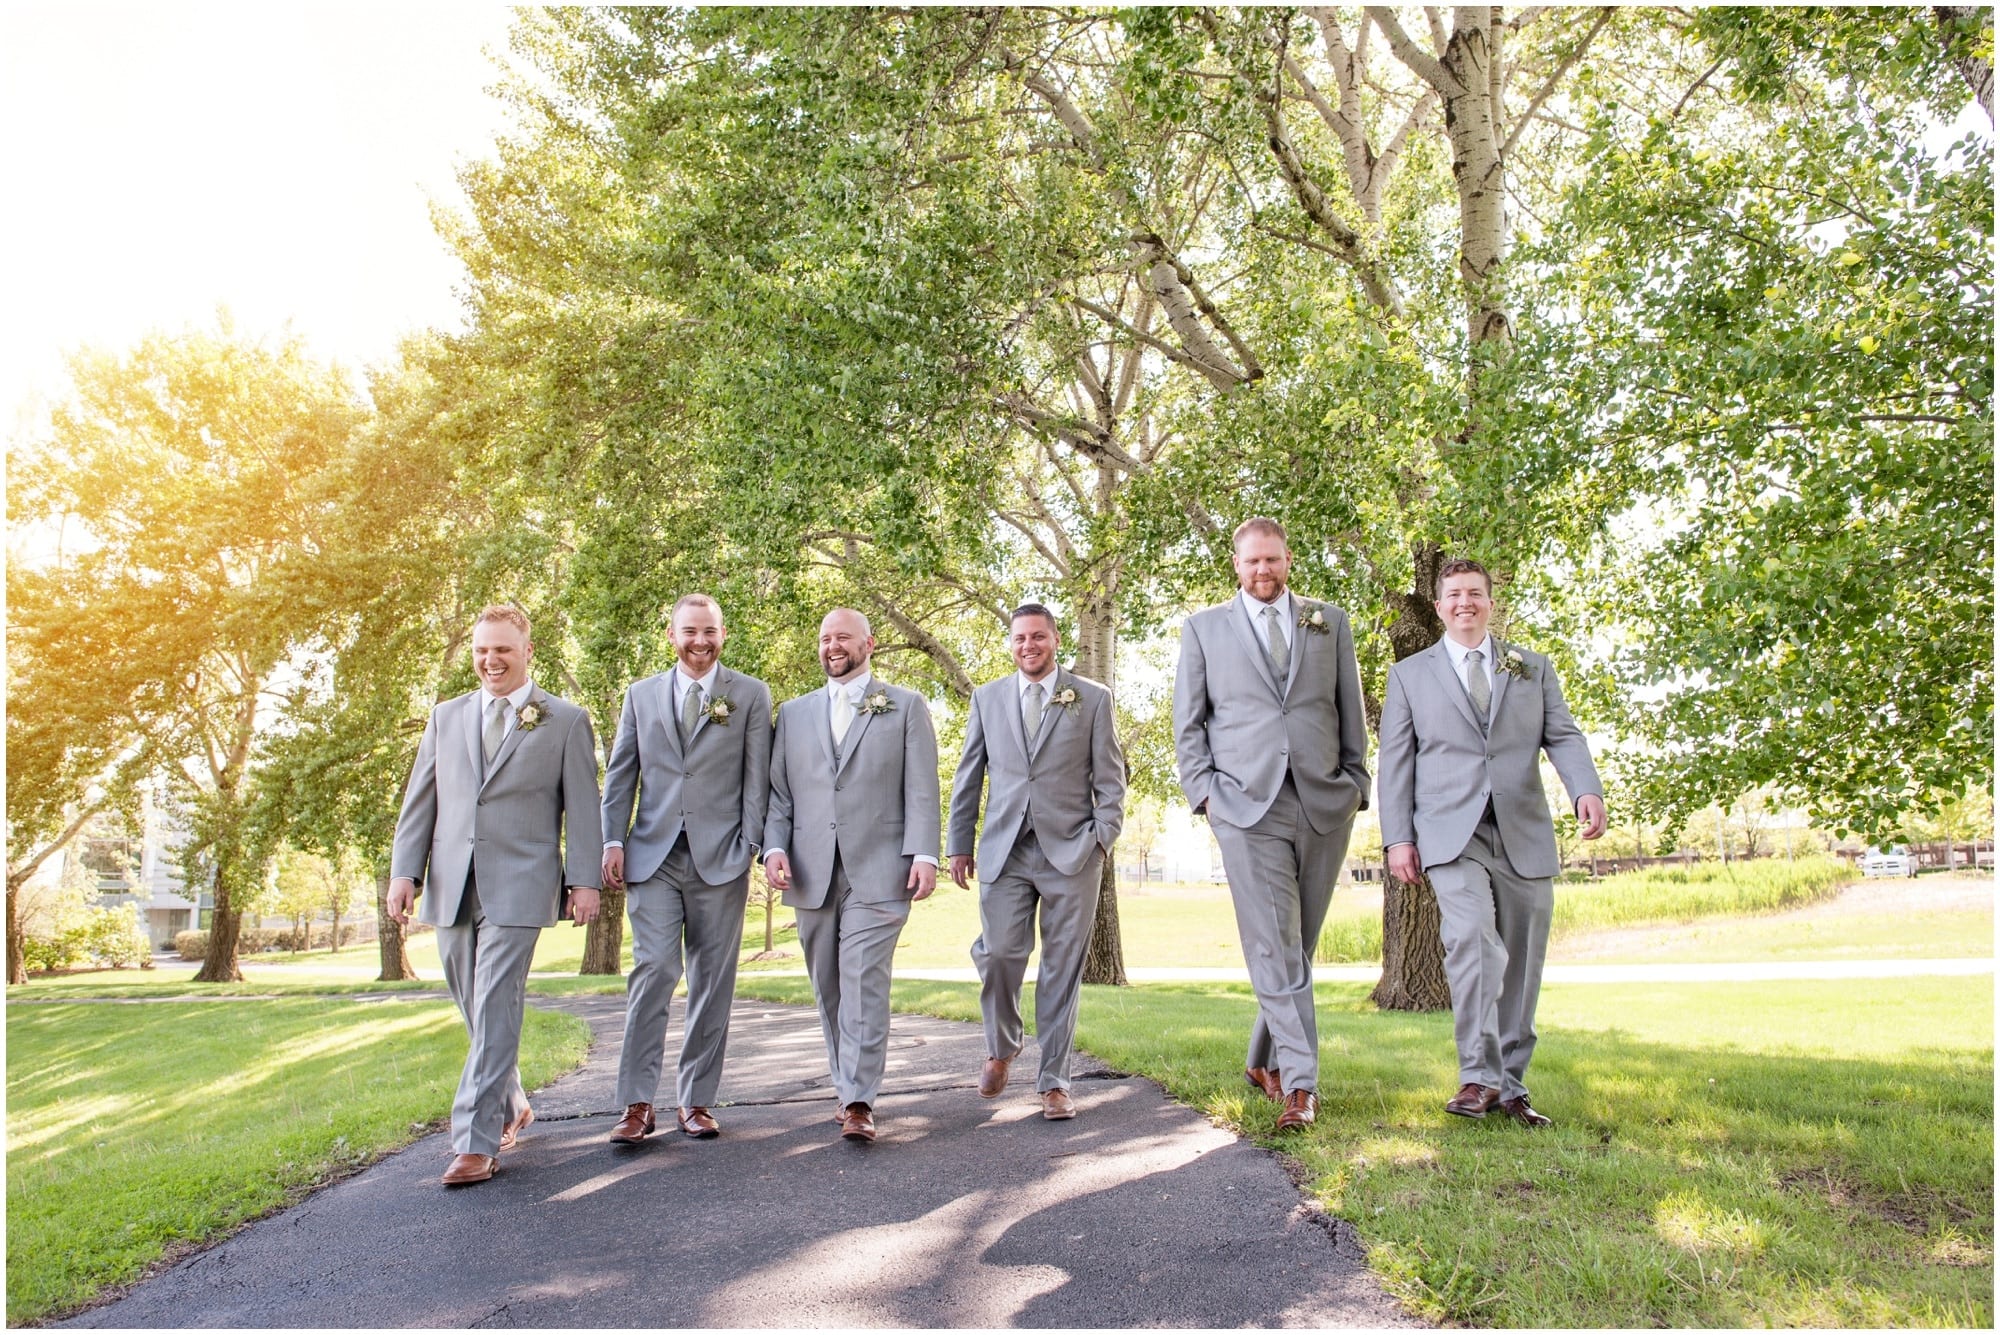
(1281, 874)
(1007, 906)
(675, 910)
(849, 948)
(486, 968)
(1496, 934)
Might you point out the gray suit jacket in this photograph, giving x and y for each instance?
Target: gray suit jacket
(1070, 779)
(1439, 770)
(1238, 730)
(876, 809)
(716, 788)
(525, 831)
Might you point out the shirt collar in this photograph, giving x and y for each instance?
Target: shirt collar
(516, 698)
(706, 681)
(1047, 683)
(1256, 609)
(1459, 651)
(854, 690)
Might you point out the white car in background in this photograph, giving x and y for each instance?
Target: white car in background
(1895, 860)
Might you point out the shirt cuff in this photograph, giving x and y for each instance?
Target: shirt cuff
(770, 853)
(614, 843)
(925, 857)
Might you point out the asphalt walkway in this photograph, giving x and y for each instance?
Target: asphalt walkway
(966, 1212)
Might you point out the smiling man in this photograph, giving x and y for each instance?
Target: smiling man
(1041, 742)
(1273, 750)
(684, 801)
(853, 839)
(500, 814)
(1464, 724)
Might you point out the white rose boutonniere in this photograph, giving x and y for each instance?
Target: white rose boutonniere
(1313, 618)
(719, 710)
(1065, 698)
(876, 702)
(530, 717)
(1513, 664)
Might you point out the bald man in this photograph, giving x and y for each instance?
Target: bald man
(851, 841)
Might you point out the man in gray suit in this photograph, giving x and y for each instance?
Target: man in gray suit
(852, 839)
(1041, 741)
(1464, 724)
(500, 815)
(1273, 749)
(694, 747)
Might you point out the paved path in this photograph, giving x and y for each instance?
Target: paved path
(1753, 971)
(966, 1213)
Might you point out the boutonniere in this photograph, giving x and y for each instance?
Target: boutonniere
(1513, 664)
(876, 702)
(1066, 698)
(1313, 618)
(530, 717)
(718, 709)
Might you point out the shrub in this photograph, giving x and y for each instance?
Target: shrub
(60, 950)
(1350, 941)
(116, 938)
(191, 945)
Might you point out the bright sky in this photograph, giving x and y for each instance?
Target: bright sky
(165, 159)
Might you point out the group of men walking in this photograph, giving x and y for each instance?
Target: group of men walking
(505, 832)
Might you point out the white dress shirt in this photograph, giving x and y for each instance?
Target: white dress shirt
(1459, 651)
(1287, 619)
(515, 699)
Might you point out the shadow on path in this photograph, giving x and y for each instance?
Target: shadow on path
(967, 1212)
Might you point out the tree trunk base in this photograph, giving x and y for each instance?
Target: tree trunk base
(219, 965)
(1413, 977)
(391, 939)
(604, 942)
(1104, 958)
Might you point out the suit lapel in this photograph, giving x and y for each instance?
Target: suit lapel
(821, 723)
(1009, 698)
(1447, 679)
(670, 726)
(1500, 680)
(855, 730)
(1301, 636)
(1049, 711)
(702, 719)
(1246, 632)
(513, 742)
(474, 715)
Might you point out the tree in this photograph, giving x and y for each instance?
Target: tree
(185, 467)
(301, 885)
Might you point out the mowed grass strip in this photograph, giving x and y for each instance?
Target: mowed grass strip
(1657, 895)
(1798, 1154)
(135, 1131)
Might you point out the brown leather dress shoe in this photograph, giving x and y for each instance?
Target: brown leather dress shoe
(1056, 1105)
(634, 1126)
(1518, 1109)
(467, 1169)
(697, 1123)
(1301, 1107)
(1265, 1079)
(857, 1123)
(510, 1135)
(1473, 1100)
(993, 1077)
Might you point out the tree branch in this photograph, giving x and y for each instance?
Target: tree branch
(1549, 84)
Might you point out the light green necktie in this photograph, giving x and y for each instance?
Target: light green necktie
(496, 728)
(690, 710)
(1478, 687)
(1031, 711)
(1281, 655)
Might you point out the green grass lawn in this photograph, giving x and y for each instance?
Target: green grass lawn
(1815, 1153)
(134, 1132)
(1918, 934)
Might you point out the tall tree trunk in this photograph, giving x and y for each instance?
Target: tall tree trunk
(770, 923)
(1096, 648)
(225, 925)
(389, 936)
(604, 939)
(1412, 945)
(17, 955)
(1968, 39)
